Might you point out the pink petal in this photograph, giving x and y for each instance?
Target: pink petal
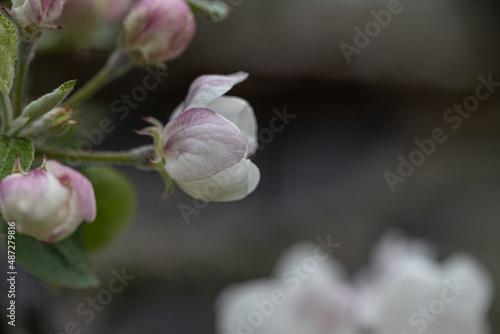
(206, 88)
(34, 183)
(81, 185)
(200, 143)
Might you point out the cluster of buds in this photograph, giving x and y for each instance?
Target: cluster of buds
(49, 203)
(154, 31)
(204, 148)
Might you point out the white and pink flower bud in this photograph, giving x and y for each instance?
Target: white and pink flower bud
(156, 31)
(36, 13)
(48, 204)
(208, 140)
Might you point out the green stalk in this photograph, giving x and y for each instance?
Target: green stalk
(25, 55)
(117, 65)
(7, 113)
(135, 157)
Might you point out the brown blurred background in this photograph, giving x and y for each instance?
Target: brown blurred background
(323, 174)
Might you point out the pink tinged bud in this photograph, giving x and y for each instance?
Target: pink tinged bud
(207, 92)
(36, 13)
(206, 155)
(48, 205)
(156, 31)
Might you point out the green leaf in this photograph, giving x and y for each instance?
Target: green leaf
(18, 124)
(115, 197)
(46, 103)
(9, 148)
(65, 263)
(8, 46)
(217, 10)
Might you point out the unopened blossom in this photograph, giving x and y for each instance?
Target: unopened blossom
(208, 91)
(56, 122)
(36, 13)
(206, 144)
(156, 31)
(48, 204)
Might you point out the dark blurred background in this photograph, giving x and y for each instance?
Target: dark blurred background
(323, 174)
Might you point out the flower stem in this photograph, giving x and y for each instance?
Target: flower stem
(135, 157)
(25, 54)
(117, 65)
(7, 114)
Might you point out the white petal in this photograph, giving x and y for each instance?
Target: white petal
(476, 298)
(239, 112)
(206, 88)
(231, 184)
(199, 144)
(328, 268)
(236, 302)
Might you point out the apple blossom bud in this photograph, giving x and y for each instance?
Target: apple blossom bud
(55, 123)
(36, 13)
(156, 31)
(204, 148)
(48, 204)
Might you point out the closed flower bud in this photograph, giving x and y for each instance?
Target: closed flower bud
(55, 123)
(206, 145)
(36, 13)
(156, 31)
(48, 204)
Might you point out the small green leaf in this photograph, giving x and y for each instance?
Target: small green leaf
(9, 148)
(8, 46)
(18, 123)
(217, 10)
(46, 103)
(65, 263)
(115, 197)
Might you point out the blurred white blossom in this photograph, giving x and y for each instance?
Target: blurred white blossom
(404, 290)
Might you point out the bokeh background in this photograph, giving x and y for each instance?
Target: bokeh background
(322, 175)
